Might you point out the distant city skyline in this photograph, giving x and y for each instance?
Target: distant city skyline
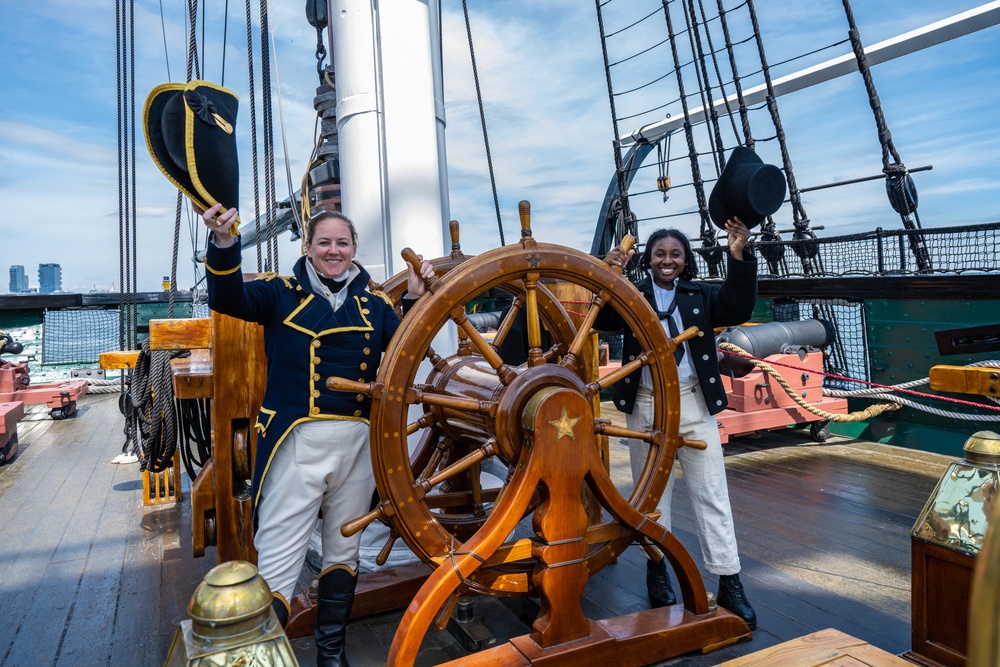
(49, 279)
(18, 279)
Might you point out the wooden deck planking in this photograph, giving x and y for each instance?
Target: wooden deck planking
(90, 577)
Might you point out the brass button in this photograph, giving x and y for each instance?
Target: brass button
(316, 360)
(315, 377)
(364, 299)
(364, 367)
(367, 351)
(315, 393)
(357, 413)
(361, 397)
(368, 336)
(315, 411)
(365, 311)
(315, 343)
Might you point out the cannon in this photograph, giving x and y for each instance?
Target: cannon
(15, 384)
(763, 340)
(757, 402)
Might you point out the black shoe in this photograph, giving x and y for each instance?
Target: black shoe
(661, 594)
(732, 597)
(280, 610)
(333, 609)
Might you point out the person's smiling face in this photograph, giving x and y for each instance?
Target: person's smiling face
(666, 261)
(332, 248)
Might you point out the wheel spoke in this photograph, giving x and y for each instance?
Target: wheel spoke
(644, 359)
(418, 395)
(572, 359)
(443, 447)
(450, 499)
(605, 427)
(535, 356)
(504, 372)
(508, 322)
(426, 420)
(423, 485)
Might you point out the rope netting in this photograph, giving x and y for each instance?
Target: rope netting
(78, 335)
(883, 252)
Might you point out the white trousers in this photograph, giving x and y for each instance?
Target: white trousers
(320, 465)
(704, 474)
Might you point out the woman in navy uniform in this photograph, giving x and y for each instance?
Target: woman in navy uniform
(313, 443)
(668, 286)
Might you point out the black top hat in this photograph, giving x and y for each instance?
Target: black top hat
(747, 189)
(190, 132)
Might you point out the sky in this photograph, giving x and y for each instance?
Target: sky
(548, 116)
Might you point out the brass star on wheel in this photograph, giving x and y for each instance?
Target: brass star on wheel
(564, 426)
(533, 260)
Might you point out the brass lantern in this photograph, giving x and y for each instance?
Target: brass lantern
(957, 514)
(945, 543)
(232, 623)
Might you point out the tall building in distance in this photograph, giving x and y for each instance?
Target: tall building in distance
(18, 279)
(49, 278)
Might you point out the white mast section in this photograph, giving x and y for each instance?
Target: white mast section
(390, 124)
(984, 16)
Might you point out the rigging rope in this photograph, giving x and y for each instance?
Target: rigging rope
(899, 184)
(253, 133)
(266, 110)
(624, 212)
(284, 146)
(688, 131)
(482, 118)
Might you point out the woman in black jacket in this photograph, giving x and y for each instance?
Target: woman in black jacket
(313, 442)
(668, 286)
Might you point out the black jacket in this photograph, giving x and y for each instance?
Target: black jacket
(702, 305)
(306, 343)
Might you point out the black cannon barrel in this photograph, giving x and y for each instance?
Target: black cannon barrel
(762, 340)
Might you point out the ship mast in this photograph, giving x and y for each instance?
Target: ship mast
(390, 122)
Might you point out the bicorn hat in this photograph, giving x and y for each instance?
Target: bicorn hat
(191, 135)
(747, 189)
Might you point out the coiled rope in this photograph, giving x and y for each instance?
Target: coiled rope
(148, 407)
(878, 392)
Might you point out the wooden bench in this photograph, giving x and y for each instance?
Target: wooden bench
(826, 648)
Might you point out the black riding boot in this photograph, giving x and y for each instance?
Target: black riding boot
(280, 610)
(661, 594)
(333, 609)
(732, 597)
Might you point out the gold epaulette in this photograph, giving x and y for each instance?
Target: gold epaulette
(382, 295)
(268, 276)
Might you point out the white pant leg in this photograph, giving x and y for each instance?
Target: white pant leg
(641, 419)
(349, 488)
(704, 473)
(705, 477)
(290, 499)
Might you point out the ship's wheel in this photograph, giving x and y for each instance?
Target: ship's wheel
(540, 420)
